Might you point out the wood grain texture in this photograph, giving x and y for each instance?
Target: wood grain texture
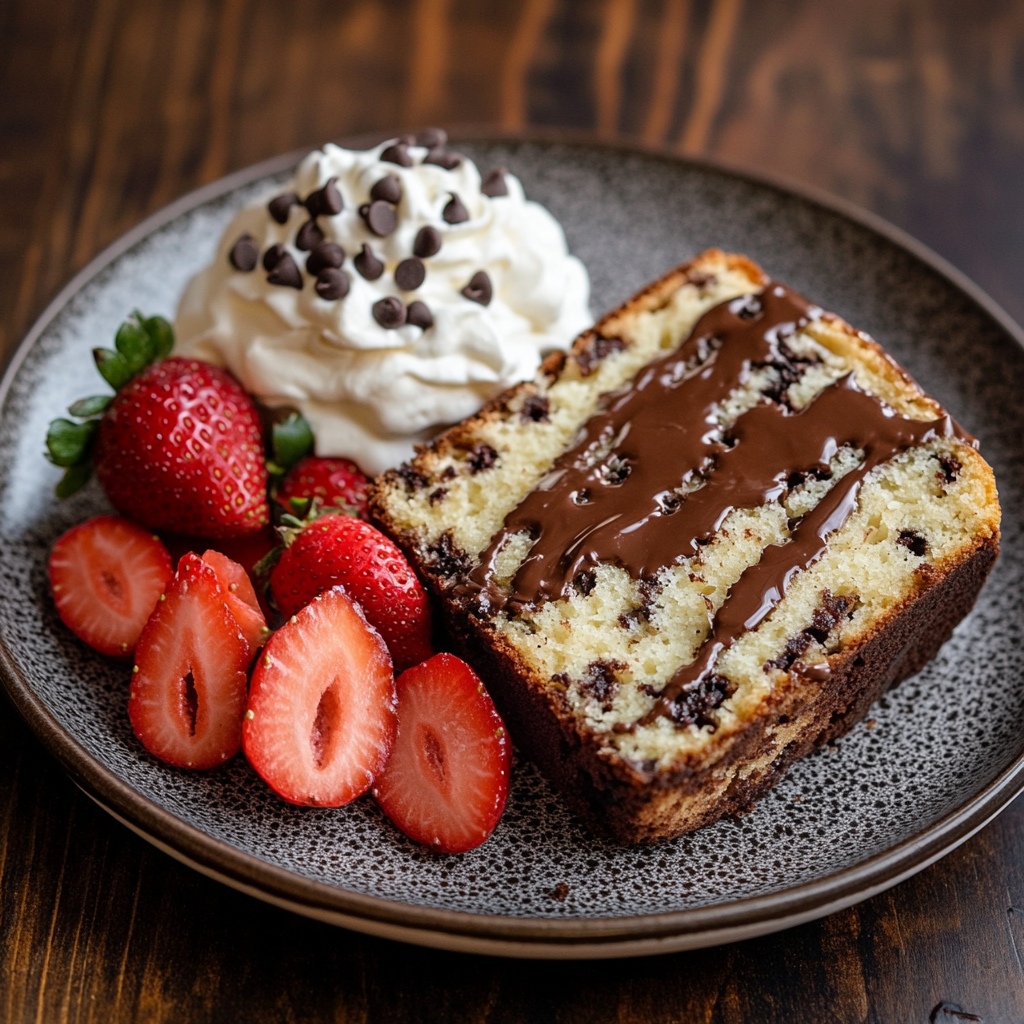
(111, 108)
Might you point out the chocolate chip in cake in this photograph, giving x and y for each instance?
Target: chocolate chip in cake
(367, 264)
(454, 211)
(694, 705)
(951, 467)
(432, 137)
(585, 581)
(418, 314)
(427, 243)
(280, 206)
(913, 542)
(479, 288)
(415, 480)
(481, 457)
(437, 495)
(446, 158)
(324, 255)
(245, 254)
(536, 408)
(326, 201)
(410, 274)
(380, 217)
(389, 312)
(447, 558)
(273, 256)
(397, 153)
(494, 184)
(286, 273)
(309, 236)
(389, 188)
(332, 284)
(595, 350)
(601, 680)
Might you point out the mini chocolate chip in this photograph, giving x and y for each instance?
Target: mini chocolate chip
(332, 284)
(389, 188)
(536, 408)
(380, 217)
(481, 457)
(446, 158)
(397, 153)
(409, 274)
(273, 256)
(431, 137)
(324, 255)
(428, 242)
(454, 212)
(280, 206)
(494, 184)
(479, 288)
(418, 314)
(286, 273)
(245, 254)
(309, 236)
(585, 581)
(326, 201)
(913, 542)
(368, 265)
(389, 312)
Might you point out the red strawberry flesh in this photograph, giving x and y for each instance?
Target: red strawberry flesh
(447, 780)
(337, 549)
(240, 597)
(188, 685)
(321, 717)
(181, 449)
(107, 575)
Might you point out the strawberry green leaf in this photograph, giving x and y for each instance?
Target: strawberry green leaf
(135, 345)
(161, 333)
(113, 367)
(74, 479)
(291, 440)
(68, 443)
(300, 507)
(86, 408)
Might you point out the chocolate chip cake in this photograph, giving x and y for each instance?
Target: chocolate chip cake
(698, 545)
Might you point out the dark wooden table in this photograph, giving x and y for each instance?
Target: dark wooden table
(111, 108)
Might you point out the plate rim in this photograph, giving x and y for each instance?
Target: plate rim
(494, 934)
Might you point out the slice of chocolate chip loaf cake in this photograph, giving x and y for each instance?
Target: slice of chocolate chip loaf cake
(700, 544)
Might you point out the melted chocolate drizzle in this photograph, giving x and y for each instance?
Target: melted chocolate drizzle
(652, 476)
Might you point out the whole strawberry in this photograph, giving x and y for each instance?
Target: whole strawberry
(178, 448)
(337, 483)
(340, 549)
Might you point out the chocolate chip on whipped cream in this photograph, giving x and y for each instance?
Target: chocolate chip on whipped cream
(308, 236)
(280, 206)
(431, 138)
(428, 242)
(245, 254)
(418, 314)
(332, 284)
(389, 312)
(398, 153)
(324, 255)
(325, 201)
(389, 188)
(446, 158)
(286, 273)
(479, 288)
(454, 211)
(372, 390)
(494, 184)
(367, 264)
(380, 217)
(410, 274)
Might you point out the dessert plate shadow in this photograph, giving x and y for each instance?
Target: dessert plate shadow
(940, 755)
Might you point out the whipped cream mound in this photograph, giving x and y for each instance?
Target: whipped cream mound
(371, 392)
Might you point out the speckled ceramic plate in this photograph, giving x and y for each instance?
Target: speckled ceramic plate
(943, 752)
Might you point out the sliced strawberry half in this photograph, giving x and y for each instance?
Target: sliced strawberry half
(446, 782)
(240, 598)
(188, 684)
(107, 575)
(321, 718)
